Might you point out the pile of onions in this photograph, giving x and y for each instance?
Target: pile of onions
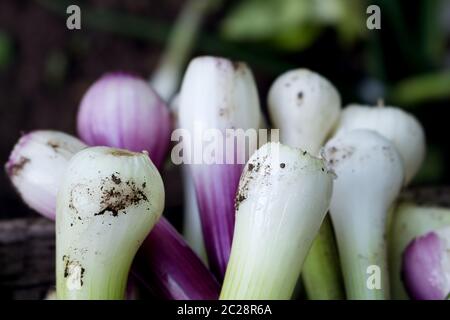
(318, 206)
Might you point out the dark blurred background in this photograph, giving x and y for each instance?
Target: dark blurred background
(45, 68)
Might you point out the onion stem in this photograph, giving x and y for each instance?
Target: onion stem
(321, 272)
(166, 77)
(357, 254)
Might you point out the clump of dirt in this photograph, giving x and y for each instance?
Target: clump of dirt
(116, 195)
(74, 270)
(120, 195)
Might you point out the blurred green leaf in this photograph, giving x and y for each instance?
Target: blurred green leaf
(293, 24)
(264, 19)
(6, 50)
(433, 167)
(56, 68)
(421, 89)
(352, 20)
(297, 39)
(142, 28)
(432, 36)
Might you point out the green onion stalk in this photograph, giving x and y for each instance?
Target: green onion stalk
(283, 196)
(166, 78)
(396, 125)
(369, 174)
(306, 107)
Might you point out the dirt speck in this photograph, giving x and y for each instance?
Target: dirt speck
(54, 145)
(17, 167)
(333, 150)
(238, 65)
(222, 112)
(300, 97)
(122, 153)
(335, 155)
(115, 178)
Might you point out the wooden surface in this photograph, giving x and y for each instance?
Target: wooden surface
(27, 249)
(436, 196)
(26, 258)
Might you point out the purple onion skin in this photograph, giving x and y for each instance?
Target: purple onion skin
(171, 269)
(36, 164)
(216, 186)
(422, 271)
(165, 264)
(123, 111)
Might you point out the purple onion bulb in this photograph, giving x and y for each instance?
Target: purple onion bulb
(123, 111)
(36, 165)
(426, 266)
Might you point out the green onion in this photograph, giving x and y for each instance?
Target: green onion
(217, 95)
(282, 199)
(370, 174)
(305, 107)
(108, 202)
